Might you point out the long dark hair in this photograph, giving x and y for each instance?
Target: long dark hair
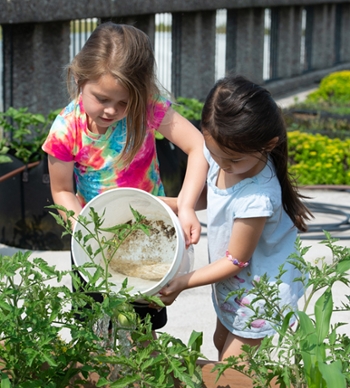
(243, 117)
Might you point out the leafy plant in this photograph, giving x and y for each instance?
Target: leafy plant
(319, 160)
(332, 95)
(318, 122)
(23, 134)
(334, 87)
(33, 314)
(33, 353)
(190, 108)
(311, 353)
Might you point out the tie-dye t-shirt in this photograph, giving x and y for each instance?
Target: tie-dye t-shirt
(96, 168)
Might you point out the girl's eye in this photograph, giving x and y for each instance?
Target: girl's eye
(235, 161)
(102, 100)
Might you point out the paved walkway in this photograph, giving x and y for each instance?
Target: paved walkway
(193, 309)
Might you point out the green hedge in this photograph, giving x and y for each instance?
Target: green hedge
(190, 108)
(332, 95)
(335, 87)
(319, 160)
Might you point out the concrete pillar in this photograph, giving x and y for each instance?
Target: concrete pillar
(34, 56)
(323, 32)
(245, 42)
(193, 53)
(145, 23)
(286, 34)
(344, 34)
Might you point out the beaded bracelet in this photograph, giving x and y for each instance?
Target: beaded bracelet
(240, 264)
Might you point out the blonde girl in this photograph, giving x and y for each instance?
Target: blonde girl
(105, 137)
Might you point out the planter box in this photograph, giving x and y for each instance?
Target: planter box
(231, 378)
(331, 125)
(24, 221)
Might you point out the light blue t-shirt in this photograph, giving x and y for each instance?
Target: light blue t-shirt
(259, 196)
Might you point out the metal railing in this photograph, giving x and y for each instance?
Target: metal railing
(285, 46)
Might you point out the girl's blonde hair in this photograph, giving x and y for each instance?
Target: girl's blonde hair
(126, 53)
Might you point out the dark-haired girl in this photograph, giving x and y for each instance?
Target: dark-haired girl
(254, 211)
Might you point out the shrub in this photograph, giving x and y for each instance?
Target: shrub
(319, 160)
(190, 108)
(334, 87)
(23, 134)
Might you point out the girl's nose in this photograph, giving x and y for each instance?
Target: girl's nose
(111, 110)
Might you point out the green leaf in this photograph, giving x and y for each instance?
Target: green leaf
(126, 381)
(5, 306)
(343, 266)
(323, 314)
(196, 340)
(116, 228)
(332, 374)
(102, 382)
(306, 326)
(145, 229)
(50, 360)
(5, 159)
(284, 327)
(158, 135)
(138, 216)
(5, 381)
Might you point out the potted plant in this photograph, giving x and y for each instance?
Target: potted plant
(25, 184)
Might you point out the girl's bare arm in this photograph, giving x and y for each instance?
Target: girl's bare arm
(187, 137)
(244, 239)
(62, 185)
(201, 203)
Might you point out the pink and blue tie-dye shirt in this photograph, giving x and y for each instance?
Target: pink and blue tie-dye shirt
(96, 168)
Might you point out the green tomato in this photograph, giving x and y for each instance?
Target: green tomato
(123, 320)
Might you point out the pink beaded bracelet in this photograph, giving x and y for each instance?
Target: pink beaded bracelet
(240, 264)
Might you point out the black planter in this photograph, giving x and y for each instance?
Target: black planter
(319, 122)
(24, 221)
(172, 165)
(318, 114)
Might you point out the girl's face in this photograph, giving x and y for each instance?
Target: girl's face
(105, 102)
(240, 166)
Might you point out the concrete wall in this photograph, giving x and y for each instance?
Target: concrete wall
(23, 11)
(34, 58)
(36, 42)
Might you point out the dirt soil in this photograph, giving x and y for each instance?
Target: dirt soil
(146, 257)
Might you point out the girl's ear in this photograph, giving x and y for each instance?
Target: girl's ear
(272, 144)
